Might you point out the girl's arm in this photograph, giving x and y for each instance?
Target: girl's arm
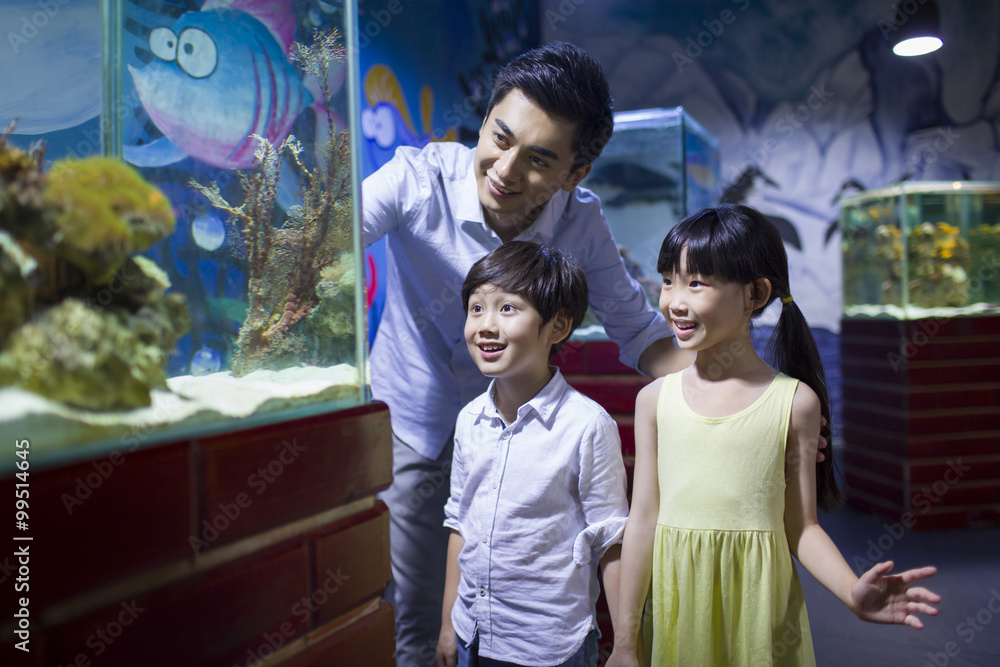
(875, 597)
(637, 545)
(447, 648)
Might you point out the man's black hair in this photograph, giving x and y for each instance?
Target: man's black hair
(566, 82)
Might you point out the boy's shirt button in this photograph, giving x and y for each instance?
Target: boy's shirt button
(485, 539)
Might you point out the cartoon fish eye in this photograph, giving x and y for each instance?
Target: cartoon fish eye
(196, 53)
(384, 127)
(163, 43)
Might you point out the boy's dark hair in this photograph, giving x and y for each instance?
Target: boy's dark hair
(566, 82)
(547, 278)
(741, 245)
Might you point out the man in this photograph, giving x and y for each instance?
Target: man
(443, 208)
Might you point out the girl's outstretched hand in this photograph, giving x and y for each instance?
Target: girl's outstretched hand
(882, 598)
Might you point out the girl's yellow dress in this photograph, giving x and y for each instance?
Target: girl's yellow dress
(725, 591)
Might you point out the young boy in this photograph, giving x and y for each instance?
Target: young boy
(537, 480)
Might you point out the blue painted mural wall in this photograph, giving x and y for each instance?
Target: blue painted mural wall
(426, 73)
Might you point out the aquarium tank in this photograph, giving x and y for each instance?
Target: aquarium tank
(922, 249)
(179, 216)
(659, 166)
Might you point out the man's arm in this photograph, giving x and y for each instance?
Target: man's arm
(384, 194)
(663, 357)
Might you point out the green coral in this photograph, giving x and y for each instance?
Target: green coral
(93, 359)
(985, 243)
(330, 325)
(105, 211)
(83, 319)
(15, 297)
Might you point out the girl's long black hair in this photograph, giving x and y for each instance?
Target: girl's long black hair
(741, 245)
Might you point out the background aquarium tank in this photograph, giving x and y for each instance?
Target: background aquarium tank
(187, 260)
(926, 249)
(659, 166)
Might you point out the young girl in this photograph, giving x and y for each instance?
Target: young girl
(725, 488)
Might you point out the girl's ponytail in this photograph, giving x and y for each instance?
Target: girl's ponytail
(793, 351)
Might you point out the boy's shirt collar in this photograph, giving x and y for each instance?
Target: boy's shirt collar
(543, 403)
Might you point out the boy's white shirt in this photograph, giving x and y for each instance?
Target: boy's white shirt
(537, 502)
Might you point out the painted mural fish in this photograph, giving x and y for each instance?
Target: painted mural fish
(220, 76)
(387, 124)
(59, 58)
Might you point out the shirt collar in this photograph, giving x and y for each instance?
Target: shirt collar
(543, 228)
(543, 403)
(468, 207)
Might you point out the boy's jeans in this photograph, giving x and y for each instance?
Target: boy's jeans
(585, 657)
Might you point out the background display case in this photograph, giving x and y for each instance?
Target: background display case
(659, 166)
(209, 273)
(920, 353)
(927, 249)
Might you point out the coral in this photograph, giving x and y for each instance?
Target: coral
(15, 297)
(106, 212)
(939, 264)
(285, 258)
(93, 359)
(82, 320)
(330, 325)
(985, 242)
(21, 185)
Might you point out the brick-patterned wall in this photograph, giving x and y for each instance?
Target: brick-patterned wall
(262, 543)
(922, 420)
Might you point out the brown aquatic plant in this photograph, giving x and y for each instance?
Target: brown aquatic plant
(285, 259)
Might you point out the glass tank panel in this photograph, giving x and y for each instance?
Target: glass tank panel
(659, 166)
(195, 265)
(928, 249)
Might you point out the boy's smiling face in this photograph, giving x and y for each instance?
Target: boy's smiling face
(523, 157)
(506, 337)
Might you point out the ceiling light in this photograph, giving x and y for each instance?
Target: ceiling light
(920, 31)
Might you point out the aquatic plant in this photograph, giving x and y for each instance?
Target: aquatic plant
(286, 255)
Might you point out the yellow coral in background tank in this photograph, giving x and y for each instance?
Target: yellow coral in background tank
(922, 250)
